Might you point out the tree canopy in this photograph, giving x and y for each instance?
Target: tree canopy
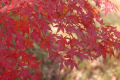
(24, 23)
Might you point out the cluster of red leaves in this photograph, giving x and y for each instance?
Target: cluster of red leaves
(106, 6)
(24, 22)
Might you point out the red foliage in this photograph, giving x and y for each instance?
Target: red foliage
(24, 22)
